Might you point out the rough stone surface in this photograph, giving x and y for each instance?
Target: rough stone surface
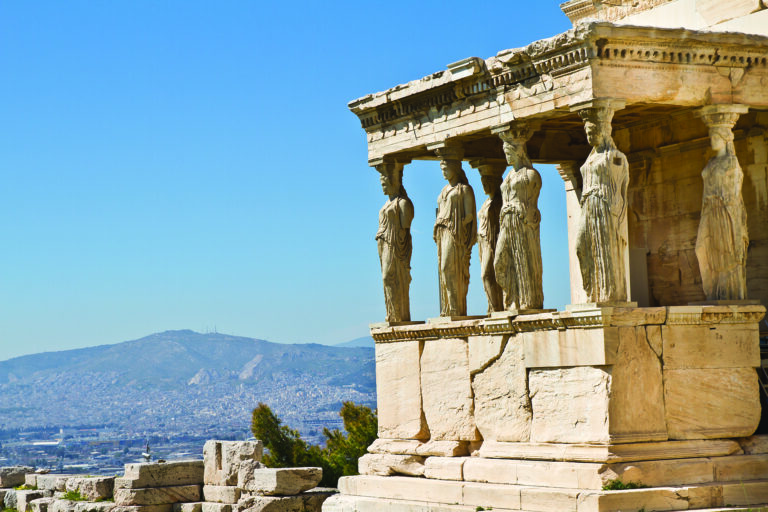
(305, 502)
(41, 504)
(398, 388)
(216, 507)
(92, 488)
(283, 481)
(30, 479)
(13, 476)
(700, 346)
(141, 508)
(226, 460)
(444, 468)
(444, 448)
(389, 464)
(153, 474)
(23, 499)
(447, 391)
(502, 407)
(9, 500)
(711, 403)
(483, 350)
(570, 405)
(157, 495)
(221, 493)
(754, 444)
(636, 410)
(54, 482)
(188, 507)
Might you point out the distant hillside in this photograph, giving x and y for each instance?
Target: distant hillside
(183, 380)
(365, 341)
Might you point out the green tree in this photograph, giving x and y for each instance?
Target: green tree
(342, 451)
(286, 448)
(339, 457)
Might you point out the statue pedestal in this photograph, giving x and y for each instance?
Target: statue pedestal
(539, 412)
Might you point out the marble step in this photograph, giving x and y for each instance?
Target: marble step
(483, 496)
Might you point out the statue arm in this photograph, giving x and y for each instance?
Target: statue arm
(470, 219)
(406, 213)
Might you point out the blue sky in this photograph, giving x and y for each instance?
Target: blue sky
(193, 165)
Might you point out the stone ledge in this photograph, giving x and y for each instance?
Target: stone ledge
(566, 320)
(630, 452)
(402, 493)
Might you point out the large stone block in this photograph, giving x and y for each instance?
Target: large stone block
(741, 468)
(570, 405)
(754, 445)
(157, 495)
(162, 474)
(30, 480)
(54, 482)
(92, 488)
(570, 347)
(627, 452)
(283, 481)
(9, 498)
(24, 498)
(224, 460)
(385, 464)
(662, 473)
(305, 502)
(402, 488)
(398, 388)
(221, 493)
(140, 508)
(705, 346)
(447, 391)
(711, 403)
(13, 476)
(636, 409)
(190, 507)
(444, 468)
(41, 504)
(502, 408)
(547, 500)
(483, 350)
(489, 496)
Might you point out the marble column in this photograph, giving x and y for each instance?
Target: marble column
(722, 239)
(601, 239)
(491, 174)
(394, 242)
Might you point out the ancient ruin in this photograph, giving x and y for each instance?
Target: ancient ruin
(230, 478)
(656, 114)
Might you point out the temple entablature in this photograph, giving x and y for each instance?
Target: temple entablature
(655, 71)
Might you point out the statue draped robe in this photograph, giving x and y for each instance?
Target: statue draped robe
(518, 252)
(722, 240)
(487, 236)
(395, 247)
(599, 242)
(455, 235)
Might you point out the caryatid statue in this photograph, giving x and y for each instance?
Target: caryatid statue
(518, 251)
(600, 239)
(394, 242)
(722, 240)
(491, 175)
(455, 233)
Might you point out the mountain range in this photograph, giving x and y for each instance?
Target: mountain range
(184, 381)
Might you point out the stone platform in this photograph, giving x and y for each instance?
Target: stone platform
(542, 412)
